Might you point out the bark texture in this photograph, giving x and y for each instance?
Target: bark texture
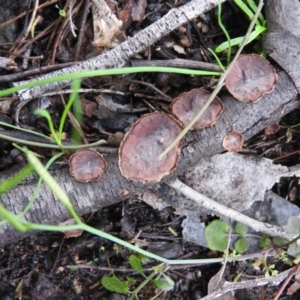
(249, 119)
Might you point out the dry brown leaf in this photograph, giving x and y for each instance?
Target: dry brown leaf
(138, 10)
(106, 24)
(295, 286)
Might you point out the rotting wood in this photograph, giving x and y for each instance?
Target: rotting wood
(248, 119)
(119, 56)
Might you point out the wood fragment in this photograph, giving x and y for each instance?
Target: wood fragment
(7, 63)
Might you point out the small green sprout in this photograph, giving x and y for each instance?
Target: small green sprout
(62, 12)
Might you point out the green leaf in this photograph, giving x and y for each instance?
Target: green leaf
(240, 229)
(293, 225)
(10, 183)
(164, 283)
(135, 264)
(130, 281)
(215, 235)
(237, 41)
(114, 284)
(265, 242)
(294, 250)
(241, 245)
(279, 241)
(44, 113)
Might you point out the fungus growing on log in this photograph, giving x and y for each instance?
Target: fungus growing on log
(187, 105)
(87, 165)
(250, 78)
(272, 129)
(233, 141)
(141, 146)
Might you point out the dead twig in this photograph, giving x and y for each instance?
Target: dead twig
(21, 15)
(287, 280)
(178, 63)
(82, 28)
(232, 286)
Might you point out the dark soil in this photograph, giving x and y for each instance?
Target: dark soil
(43, 266)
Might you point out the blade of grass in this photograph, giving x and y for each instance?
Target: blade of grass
(50, 146)
(224, 31)
(253, 6)
(36, 191)
(26, 130)
(118, 71)
(75, 87)
(44, 113)
(10, 183)
(51, 183)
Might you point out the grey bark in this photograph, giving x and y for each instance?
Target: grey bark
(249, 119)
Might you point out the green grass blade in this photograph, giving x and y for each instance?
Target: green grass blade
(93, 73)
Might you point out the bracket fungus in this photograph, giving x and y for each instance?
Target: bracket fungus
(233, 141)
(87, 165)
(141, 146)
(250, 78)
(186, 106)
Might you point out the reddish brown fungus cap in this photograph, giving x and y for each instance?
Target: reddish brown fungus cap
(187, 105)
(87, 165)
(233, 141)
(71, 233)
(272, 129)
(250, 78)
(141, 146)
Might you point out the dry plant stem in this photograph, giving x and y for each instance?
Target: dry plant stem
(74, 122)
(221, 209)
(31, 41)
(247, 284)
(35, 71)
(82, 28)
(119, 56)
(31, 20)
(61, 33)
(178, 63)
(25, 12)
(226, 256)
(217, 88)
(152, 87)
(287, 280)
(72, 27)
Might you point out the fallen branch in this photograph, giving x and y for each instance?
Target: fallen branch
(249, 119)
(118, 57)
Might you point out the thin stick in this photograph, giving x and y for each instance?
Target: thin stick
(178, 63)
(221, 209)
(25, 12)
(232, 286)
(218, 87)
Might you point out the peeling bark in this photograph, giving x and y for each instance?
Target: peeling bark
(248, 119)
